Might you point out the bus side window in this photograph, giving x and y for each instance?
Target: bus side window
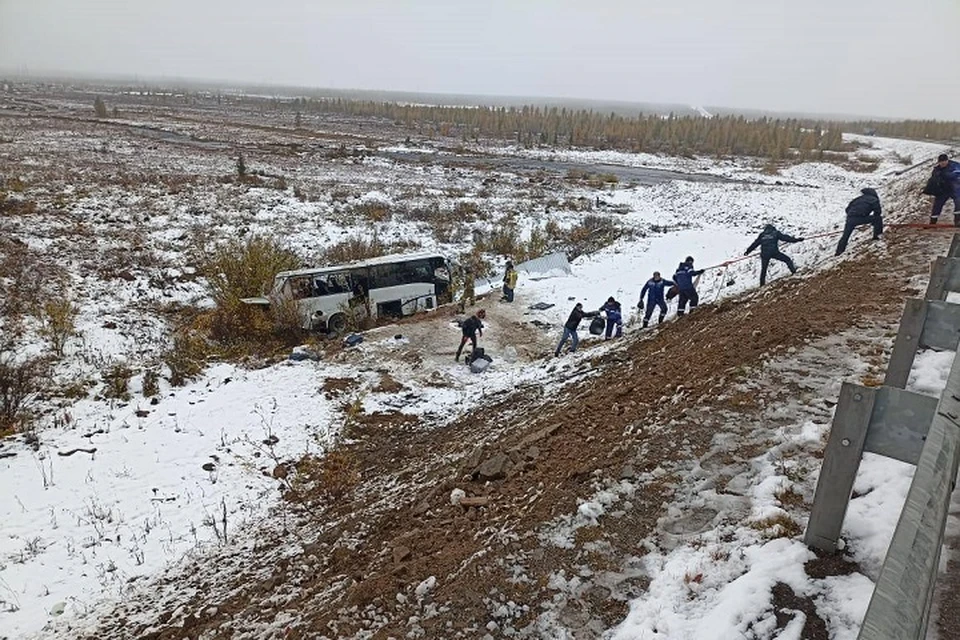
(300, 288)
(339, 283)
(320, 288)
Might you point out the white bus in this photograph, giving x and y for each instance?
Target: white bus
(391, 286)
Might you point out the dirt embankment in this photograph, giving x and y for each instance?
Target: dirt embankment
(527, 459)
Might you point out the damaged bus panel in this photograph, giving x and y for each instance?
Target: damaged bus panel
(388, 286)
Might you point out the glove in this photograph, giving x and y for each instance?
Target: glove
(746, 253)
(800, 239)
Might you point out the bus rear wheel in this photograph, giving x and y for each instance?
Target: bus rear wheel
(337, 325)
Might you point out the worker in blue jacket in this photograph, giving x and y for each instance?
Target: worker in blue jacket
(943, 185)
(611, 309)
(684, 280)
(653, 291)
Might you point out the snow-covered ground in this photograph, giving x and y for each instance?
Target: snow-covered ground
(114, 492)
(716, 584)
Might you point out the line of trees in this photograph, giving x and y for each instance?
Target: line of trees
(672, 134)
(913, 129)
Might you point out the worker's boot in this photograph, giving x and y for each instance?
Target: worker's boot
(660, 319)
(646, 323)
(933, 220)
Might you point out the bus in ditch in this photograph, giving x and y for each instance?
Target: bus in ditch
(388, 286)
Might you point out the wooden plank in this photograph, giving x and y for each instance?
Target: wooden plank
(906, 344)
(841, 461)
(900, 605)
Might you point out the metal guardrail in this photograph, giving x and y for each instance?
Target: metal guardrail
(911, 427)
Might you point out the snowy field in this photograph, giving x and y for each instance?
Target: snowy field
(114, 492)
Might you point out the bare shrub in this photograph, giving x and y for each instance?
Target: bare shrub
(503, 240)
(467, 211)
(592, 234)
(186, 357)
(151, 383)
(372, 210)
(446, 225)
(21, 380)
(26, 278)
(246, 268)
(331, 476)
(16, 205)
(358, 248)
(236, 270)
(58, 320)
(116, 381)
(286, 322)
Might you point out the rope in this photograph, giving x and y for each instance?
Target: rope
(902, 225)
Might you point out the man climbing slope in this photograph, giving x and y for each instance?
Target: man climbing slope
(769, 242)
(685, 285)
(864, 209)
(653, 290)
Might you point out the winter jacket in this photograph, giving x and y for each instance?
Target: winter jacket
(613, 311)
(656, 289)
(685, 275)
(864, 205)
(944, 182)
(471, 325)
(510, 279)
(769, 241)
(578, 314)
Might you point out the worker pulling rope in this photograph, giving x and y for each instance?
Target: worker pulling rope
(922, 226)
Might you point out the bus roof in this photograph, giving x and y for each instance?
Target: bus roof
(396, 257)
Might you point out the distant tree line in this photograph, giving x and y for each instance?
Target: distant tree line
(913, 129)
(531, 125)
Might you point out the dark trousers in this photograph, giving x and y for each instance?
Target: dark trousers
(687, 295)
(507, 293)
(855, 221)
(938, 203)
(653, 304)
(568, 334)
(614, 322)
(472, 338)
(765, 259)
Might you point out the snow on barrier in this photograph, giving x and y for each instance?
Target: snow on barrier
(891, 421)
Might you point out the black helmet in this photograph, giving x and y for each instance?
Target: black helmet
(689, 260)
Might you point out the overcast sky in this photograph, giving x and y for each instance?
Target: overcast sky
(879, 57)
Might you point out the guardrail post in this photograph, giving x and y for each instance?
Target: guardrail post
(900, 605)
(954, 250)
(906, 344)
(841, 460)
(939, 273)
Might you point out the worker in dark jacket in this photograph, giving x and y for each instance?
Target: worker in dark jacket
(943, 185)
(571, 326)
(471, 327)
(769, 242)
(685, 286)
(653, 291)
(864, 209)
(611, 308)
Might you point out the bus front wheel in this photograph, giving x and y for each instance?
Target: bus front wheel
(337, 325)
